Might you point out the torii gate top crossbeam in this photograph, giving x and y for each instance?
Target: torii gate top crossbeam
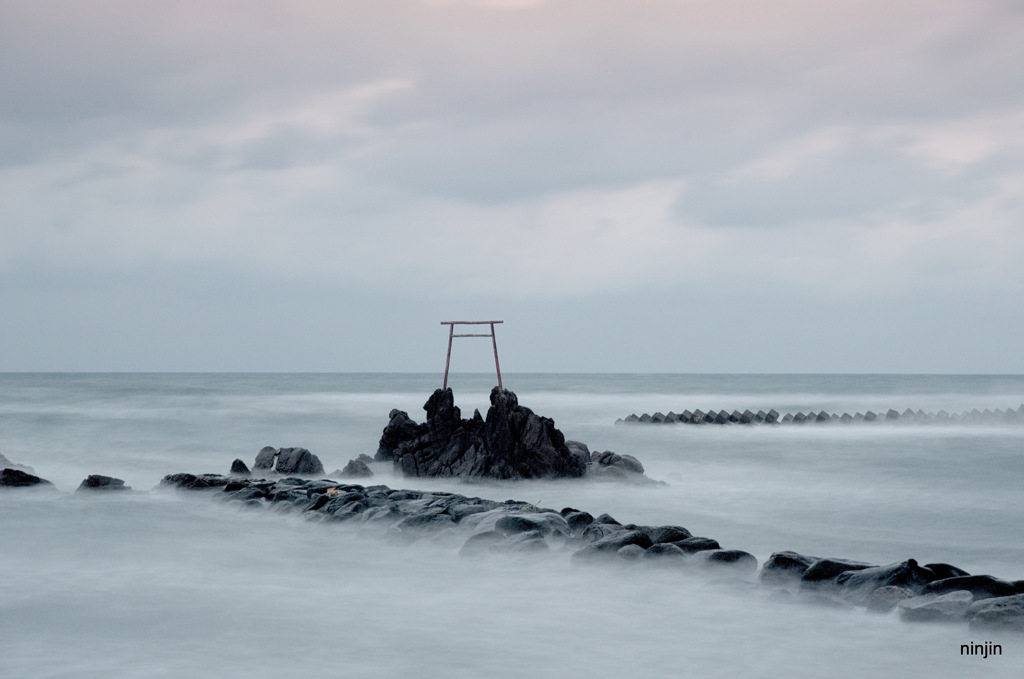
(451, 335)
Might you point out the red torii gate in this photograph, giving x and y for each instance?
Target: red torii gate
(451, 335)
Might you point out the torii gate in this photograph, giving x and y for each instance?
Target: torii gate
(451, 335)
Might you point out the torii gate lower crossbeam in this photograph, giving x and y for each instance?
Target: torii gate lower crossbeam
(451, 335)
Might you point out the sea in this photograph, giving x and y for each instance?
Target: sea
(157, 583)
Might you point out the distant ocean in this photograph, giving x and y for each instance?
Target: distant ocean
(157, 584)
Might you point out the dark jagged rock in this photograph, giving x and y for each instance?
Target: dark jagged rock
(239, 468)
(16, 478)
(97, 482)
(511, 443)
(298, 461)
(400, 429)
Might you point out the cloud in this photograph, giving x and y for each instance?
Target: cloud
(521, 151)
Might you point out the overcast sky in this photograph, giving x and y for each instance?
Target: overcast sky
(632, 186)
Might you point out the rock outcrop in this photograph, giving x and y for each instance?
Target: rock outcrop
(288, 461)
(512, 442)
(908, 416)
(16, 478)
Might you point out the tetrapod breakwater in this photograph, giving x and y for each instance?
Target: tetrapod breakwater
(908, 416)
